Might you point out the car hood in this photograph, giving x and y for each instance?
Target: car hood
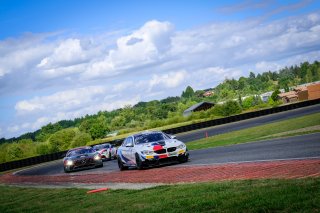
(158, 145)
(91, 155)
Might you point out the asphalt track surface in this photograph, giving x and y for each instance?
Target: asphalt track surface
(298, 147)
(211, 131)
(294, 147)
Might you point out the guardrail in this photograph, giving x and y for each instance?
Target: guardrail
(55, 156)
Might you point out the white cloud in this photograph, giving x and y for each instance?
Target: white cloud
(264, 66)
(127, 85)
(144, 46)
(89, 74)
(168, 80)
(69, 52)
(64, 101)
(20, 59)
(13, 129)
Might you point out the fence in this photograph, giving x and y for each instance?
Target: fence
(55, 156)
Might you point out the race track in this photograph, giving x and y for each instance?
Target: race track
(211, 131)
(298, 147)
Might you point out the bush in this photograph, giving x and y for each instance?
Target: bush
(231, 108)
(61, 140)
(42, 149)
(14, 152)
(81, 139)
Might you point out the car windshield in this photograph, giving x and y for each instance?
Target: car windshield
(81, 152)
(103, 146)
(148, 138)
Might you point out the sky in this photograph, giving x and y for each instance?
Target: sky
(65, 59)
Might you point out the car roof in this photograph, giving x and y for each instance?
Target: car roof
(147, 132)
(102, 144)
(82, 147)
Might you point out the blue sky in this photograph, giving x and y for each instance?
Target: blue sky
(64, 59)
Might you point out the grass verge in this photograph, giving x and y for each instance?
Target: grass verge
(257, 133)
(302, 195)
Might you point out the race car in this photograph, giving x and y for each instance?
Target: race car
(107, 151)
(150, 148)
(81, 158)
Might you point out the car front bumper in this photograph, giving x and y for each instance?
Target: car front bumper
(164, 158)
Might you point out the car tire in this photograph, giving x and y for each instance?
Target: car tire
(183, 159)
(120, 165)
(109, 158)
(99, 166)
(65, 170)
(139, 163)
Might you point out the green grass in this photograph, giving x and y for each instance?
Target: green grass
(256, 133)
(302, 195)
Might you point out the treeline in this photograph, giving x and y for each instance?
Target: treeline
(67, 134)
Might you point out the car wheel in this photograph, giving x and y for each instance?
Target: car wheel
(109, 158)
(120, 165)
(183, 159)
(139, 163)
(99, 166)
(66, 170)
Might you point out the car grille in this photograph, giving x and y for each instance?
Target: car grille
(160, 151)
(84, 162)
(171, 149)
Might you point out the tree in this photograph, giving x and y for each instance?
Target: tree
(239, 99)
(98, 130)
(61, 140)
(248, 102)
(188, 93)
(42, 149)
(81, 139)
(274, 95)
(252, 75)
(227, 109)
(309, 76)
(46, 131)
(14, 152)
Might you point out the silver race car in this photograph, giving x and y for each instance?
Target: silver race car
(106, 150)
(150, 148)
(81, 158)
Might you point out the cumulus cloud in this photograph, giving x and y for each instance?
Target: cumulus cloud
(168, 80)
(144, 46)
(68, 52)
(154, 61)
(65, 100)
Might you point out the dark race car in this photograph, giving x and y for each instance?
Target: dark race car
(81, 158)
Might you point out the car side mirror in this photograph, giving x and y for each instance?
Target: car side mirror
(129, 144)
(173, 136)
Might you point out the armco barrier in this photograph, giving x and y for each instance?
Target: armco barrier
(55, 156)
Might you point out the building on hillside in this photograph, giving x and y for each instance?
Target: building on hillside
(208, 94)
(265, 96)
(289, 97)
(198, 107)
(313, 91)
(302, 93)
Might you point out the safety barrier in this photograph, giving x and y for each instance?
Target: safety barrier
(55, 156)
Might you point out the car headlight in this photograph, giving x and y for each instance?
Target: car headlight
(181, 146)
(97, 157)
(69, 162)
(147, 152)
